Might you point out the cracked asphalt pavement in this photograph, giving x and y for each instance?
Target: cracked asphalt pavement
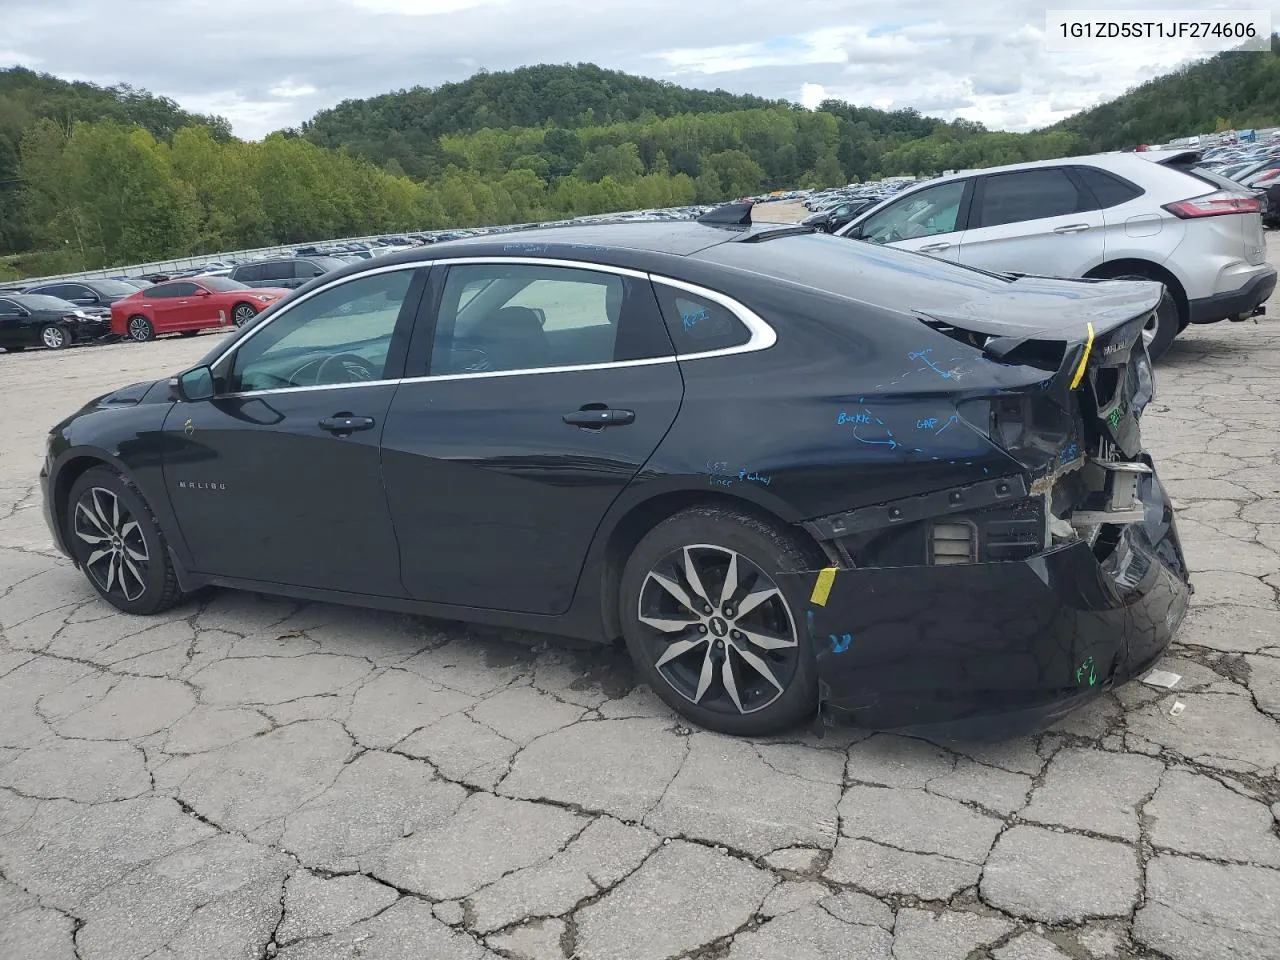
(248, 777)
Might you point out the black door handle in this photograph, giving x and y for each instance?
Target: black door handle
(344, 423)
(596, 418)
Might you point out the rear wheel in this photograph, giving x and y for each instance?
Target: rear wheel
(713, 629)
(1165, 323)
(54, 337)
(140, 329)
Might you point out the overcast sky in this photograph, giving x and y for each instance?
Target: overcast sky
(267, 64)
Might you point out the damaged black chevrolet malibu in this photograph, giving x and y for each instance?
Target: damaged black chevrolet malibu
(791, 472)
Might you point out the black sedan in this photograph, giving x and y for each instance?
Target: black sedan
(32, 320)
(833, 218)
(86, 294)
(787, 470)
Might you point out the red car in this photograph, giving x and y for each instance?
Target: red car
(189, 306)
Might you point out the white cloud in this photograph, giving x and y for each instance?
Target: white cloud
(265, 65)
(289, 90)
(812, 94)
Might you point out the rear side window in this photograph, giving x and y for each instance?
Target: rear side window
(277, 270)
(1108, 190)
(1027, 195)
(698, 325)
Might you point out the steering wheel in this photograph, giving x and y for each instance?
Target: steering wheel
(469, 360)
(354, 369)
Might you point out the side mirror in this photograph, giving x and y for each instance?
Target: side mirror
(202, 292)
(193, 385)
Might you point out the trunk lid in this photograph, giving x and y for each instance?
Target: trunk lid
(1087, 336)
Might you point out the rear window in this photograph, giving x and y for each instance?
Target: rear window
(1215, 179)
(114, 288)
(1107, 189)
(221, 284)
(37, 301)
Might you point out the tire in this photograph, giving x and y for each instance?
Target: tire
(1168, 323)
(54, 337)
(242, 313)
(106, 514)
(140, 329)
(692, 680)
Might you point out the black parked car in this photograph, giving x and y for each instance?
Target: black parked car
(783, 467)
(832, 219)
(286, 272)
(33, 320)
(99, 294)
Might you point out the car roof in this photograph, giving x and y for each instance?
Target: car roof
(672, 237)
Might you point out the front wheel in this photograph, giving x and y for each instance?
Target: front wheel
(141, 330)
(117, 542)
(54, 337)
(242, 313)
(713, 629)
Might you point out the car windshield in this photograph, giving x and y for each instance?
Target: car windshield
(114, 288)
(222, 284)
(38, 301)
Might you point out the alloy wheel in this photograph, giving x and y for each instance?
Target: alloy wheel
(118, 555)
(55, 338)
(1150, 327)
(719, 629)
(242, 314)
(139, 328)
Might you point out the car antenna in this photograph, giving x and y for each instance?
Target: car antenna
(728, 215)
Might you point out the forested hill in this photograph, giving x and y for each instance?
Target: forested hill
(1232, 91)
(27, 96)
(406, 125)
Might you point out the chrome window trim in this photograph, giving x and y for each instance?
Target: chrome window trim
(762, 337)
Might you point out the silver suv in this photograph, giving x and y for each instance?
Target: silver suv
(1130, 215)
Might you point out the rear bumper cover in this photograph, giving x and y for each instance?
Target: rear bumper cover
(1220, 306)
(997, 649)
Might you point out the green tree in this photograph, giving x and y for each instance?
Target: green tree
(735, 171)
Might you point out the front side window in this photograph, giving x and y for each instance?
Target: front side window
(1028, 195)
(340, 335)
(305, 270)
(182, 289)
(503, 317)
(926, 213)
(249, 273)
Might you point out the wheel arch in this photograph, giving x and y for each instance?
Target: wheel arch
(642, 517)
(1131, 265)
(72, 467)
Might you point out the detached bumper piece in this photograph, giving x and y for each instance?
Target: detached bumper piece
(997, 647)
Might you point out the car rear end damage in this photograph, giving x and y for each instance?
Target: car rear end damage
(1008, 602)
